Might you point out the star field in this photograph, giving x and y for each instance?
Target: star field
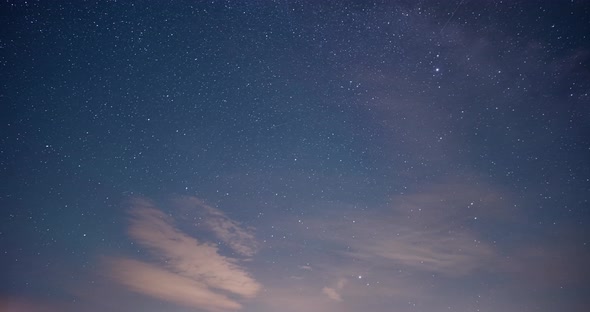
(294, 156)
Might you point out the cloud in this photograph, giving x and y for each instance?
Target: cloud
(430, 251)
(296, 299)
(18, 304)
(240, 240)
(426, 231)
(429, 231)
(331, 293)
(334, 292)
(404, 251)
(162, 284)
(188, 271)
(556, 261)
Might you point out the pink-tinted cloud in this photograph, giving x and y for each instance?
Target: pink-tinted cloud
(296, 299)
(391, 254)
(189, 271)
(240, 240)
(552, 264)
(429, 251)
(166, 285)
(426, 231)
(20, 304)
(334, 292)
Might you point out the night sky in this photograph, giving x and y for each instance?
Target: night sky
(295, 156)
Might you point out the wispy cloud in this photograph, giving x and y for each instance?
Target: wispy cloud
(427, 231)
(240, 240)
(189, 271)
(419, 238)
(334, 292)
(429, 251)
(331, 293)
(18, 304)
(163, 284)
(296, 299)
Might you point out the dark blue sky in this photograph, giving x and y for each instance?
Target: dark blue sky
(294, 156)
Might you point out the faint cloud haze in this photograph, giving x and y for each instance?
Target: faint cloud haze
(187, 271)
(240, 240)
(426, 231)
(163, 284)
(396, 252)
(333, 292)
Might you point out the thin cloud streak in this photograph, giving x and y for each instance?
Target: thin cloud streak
(334, 292)
(451, 254)
(426, 231)
(331, 293)
(397, 251)
(18, 304)
(240, 240)
(189, 272)
(162, 284)
(424, 247)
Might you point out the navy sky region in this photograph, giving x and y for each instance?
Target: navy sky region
(295, 156)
